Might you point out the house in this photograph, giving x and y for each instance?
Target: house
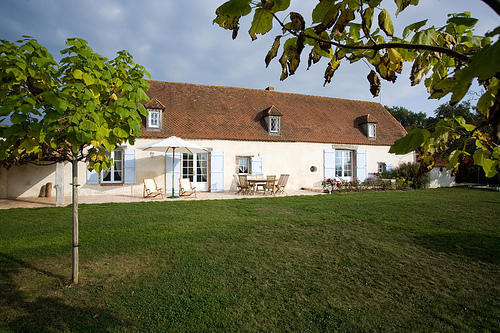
(440, 177)
(246, 131)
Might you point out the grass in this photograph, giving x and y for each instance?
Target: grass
(392, 261)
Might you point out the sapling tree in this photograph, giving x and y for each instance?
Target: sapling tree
(77, 109)
(447, 59)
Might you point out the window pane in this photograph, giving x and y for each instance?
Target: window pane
(243, 165)
(106, 176)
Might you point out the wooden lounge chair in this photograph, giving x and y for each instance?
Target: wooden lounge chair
(237, 182)
(186, 188)
(151, 189)
(245, 186)
(280, 186)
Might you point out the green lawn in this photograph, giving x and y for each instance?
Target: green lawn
(418, 260)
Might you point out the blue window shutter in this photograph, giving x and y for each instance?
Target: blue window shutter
(257, 165)
(92, 177)
(216, 171)
(361, 165)
(129, 167)
(329, 163)
(388, 167)
(177, 172)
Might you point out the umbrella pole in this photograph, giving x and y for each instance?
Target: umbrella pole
(173, 174)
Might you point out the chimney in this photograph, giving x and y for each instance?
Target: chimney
(270, 88)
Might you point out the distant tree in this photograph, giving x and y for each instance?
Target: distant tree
(463, 110)
(74, 110)
(407, 118)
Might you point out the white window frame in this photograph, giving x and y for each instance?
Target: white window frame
(274, 120)
(343, 170)
(111, 170)
(248, 165)
(371, 130)
(158, 118)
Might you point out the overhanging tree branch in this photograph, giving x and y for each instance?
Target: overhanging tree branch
(376, 47)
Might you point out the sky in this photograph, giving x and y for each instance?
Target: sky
(177, 42)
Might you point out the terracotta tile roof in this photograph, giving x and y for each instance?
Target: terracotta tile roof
(210, 112)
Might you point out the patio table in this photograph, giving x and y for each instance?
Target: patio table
(254, 182)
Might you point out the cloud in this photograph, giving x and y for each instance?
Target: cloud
(176, 41)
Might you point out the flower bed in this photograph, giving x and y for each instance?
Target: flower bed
(372, 184)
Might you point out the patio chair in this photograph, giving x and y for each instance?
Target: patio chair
(280, 186)
(237, 182)
(151, 189)
(245, 186)
(186, 188)
(269, 185)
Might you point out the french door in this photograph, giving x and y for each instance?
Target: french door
(343, 164)
(195, 167)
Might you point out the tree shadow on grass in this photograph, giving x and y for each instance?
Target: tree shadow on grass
(45, 314)
(475, 246)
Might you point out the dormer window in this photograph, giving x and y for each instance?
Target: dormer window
(274, 124)
(368, 126)
(154, 119)
(272, 117)
(372, 130)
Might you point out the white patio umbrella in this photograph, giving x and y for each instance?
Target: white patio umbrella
(174, 144)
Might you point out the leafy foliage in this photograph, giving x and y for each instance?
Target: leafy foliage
(76, 109)
(446, 59)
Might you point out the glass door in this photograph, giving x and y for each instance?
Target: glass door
(195, 167)
(343, 164)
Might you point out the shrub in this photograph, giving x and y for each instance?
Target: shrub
(406, 176)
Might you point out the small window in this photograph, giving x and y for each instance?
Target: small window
(244, 165)
(154, 118)
(372, 130)
(382, 167)
(274, 124)
(115, 173)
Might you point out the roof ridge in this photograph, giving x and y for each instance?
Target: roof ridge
(265, 91)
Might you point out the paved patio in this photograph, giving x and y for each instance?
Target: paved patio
(36, 202)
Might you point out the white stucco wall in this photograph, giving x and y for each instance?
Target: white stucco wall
(440, 177)
(293, 158)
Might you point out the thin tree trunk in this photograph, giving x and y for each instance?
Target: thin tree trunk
(75, 222)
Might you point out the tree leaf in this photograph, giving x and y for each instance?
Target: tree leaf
(468, 22)
(374, 83)
(120, 132)
(273, 52)
(402, 4)
(319, 12)
(413, 140)
(261, 24)
(78, 74)
(385, 22)
(367, 18)
(331, 68)
(413, 27)
(280, 5)
(346, 16)
(234, 8)
(298, 23)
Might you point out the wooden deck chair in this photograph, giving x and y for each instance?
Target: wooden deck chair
(269, 185)
(186, 188)
(151, 189)
(237, 182)
(280, 186)
(245, 186)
